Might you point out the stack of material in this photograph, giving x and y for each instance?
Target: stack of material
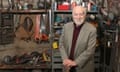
(6, 29)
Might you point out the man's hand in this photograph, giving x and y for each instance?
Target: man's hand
(69, 63)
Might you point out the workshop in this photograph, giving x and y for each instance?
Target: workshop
(59, 35)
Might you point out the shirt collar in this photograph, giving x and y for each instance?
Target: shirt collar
(78, 27)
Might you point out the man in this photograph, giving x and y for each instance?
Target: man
(77, 43)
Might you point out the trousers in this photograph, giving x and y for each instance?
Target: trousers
(72, 69)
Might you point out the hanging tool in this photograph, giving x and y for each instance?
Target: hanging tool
(17, 5)
(37, 25)
(24, 31)
(40, 29)
(43, 34)
(1, 4)
(11, 4)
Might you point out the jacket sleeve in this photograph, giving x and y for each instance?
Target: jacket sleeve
(88, 53)
(62, 46)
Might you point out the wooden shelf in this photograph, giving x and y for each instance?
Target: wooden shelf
(41, 66)
(24, 11)
(62, 11)
(70, 11)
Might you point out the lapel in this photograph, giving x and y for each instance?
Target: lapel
(70, 35)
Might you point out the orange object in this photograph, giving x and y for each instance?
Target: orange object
(37, 27)
(43, 37)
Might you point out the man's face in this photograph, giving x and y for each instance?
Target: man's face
(79, 15)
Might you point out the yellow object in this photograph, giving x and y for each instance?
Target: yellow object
(55, 45)
(45, 57)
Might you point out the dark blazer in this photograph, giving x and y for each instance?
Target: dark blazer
(85, 46)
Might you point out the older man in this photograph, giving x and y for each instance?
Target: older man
(77, 43)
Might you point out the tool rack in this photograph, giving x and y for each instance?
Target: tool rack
(4, 13)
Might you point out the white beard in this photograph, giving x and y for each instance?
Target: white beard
(78, 22)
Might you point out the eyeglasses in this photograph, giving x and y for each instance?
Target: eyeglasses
(79, 14)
